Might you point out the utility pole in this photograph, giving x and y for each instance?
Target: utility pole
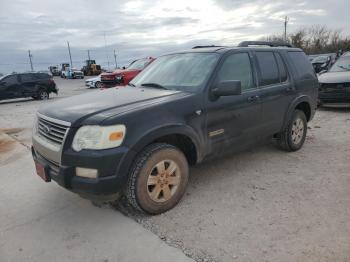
(286, 19)
(115, 59)
(104, 34)
(88, 54)
(70, 56)
(30, 60)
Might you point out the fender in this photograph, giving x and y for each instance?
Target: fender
(293, 105)
(149, 137)
(171, 129)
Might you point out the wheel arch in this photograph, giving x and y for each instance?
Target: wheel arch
(302, 103)
(180, 136)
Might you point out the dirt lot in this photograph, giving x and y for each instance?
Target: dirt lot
(260, 205)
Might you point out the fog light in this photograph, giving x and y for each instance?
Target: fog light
(86, 172)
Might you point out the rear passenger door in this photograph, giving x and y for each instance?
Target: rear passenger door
(277, 91)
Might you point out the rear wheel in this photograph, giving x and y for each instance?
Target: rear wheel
(293, 136)
(158, 179)
(43, 95)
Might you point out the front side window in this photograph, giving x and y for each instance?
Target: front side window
(10, 80)
(237, 67)
(269, 74)
(185, 72)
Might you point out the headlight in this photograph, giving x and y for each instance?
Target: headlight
(98, 137)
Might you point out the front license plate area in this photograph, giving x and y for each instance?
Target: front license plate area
(41, 171)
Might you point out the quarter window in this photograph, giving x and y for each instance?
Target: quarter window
(237, 67)
(282, 68)
(269, 74)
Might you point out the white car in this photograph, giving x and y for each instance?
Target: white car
(94, 82)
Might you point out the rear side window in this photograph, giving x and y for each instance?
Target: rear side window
(302, 65)
(282, 68)
(269, 74)
(237, 67)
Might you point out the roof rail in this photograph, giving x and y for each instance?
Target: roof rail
(205, 46)
(265, 43)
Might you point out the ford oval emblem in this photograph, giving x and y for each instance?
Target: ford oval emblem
(46, 129)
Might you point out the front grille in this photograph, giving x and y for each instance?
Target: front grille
(52, 131)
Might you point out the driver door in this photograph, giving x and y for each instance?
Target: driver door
(234, 122)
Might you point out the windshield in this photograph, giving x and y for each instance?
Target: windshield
(139, 64)
(186, 72)
(342, 65)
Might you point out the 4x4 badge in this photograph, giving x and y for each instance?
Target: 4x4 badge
(217, 132)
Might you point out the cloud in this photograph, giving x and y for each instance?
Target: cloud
(143, 28)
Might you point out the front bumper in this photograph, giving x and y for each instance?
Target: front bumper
(112, 166)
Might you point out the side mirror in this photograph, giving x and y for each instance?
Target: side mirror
(228, 88)
(124, 67)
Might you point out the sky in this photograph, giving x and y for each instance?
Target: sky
(141, 28)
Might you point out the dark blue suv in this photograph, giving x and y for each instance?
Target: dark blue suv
(184, 108)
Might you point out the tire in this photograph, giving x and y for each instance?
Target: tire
(43, 95)
(98, 84)
(150, 189)
(292, 138)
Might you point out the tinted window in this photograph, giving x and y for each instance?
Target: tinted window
(268, 68)
(27, 77)
(10, 80)
(302, 65)
(42, 76)
(282, 68)
(237, 67)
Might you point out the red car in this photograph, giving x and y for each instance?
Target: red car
(124, 76)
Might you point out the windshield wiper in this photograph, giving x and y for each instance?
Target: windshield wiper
(155, 85)
(131, 84)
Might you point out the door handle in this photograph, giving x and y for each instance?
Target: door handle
(253, 98)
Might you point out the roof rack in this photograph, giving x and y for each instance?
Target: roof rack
(265, 43)
(205, 46)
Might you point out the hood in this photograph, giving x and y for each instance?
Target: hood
(120, 71)
(96, 106)
(334, 77)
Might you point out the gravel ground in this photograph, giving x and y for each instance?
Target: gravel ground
(259, 205)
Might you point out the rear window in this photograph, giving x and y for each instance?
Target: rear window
(302, 65)
(269, 74)
(42, 76)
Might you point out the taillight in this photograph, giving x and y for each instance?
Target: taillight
(51, 81)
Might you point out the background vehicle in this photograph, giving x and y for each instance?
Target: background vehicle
(54, 70)
(124, 76)
(323, 62)
(184, 108)
(335, 84)
(91, 68)
(72, 73)
(36, 85)
(63, 68)
(94, 82)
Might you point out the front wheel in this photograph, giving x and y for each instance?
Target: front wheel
(98, 84)
(158, 179)
(293, 136)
